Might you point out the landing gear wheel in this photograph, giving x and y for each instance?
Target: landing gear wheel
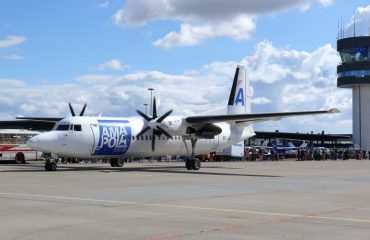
(188, 164)
(50, 166)
(195, 164)
(117, 162)
(120, 162)
(113, 162)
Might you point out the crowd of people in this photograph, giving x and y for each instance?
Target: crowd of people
(306, 154)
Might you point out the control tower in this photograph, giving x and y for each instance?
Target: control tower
(354, 72)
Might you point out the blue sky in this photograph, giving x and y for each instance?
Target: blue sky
(106, 53)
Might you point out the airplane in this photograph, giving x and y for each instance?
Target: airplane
(149, 136)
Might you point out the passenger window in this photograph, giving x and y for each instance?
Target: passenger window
(77, 128)
(146, 138)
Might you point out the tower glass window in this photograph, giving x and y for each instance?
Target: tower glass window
(357, 54)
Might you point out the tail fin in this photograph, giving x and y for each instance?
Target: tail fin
(240, 97)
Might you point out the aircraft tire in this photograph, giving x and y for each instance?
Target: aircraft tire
(50, 166)
(119, 162)
(53, 166)
(113, 162)
(188, 164)
(196, 164)
(47, 167)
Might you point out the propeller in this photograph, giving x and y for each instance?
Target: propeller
(73, 112)
(153, 123)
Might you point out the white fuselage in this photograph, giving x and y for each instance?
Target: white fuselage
(98, 137)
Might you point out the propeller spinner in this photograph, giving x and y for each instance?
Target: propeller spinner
(154, 124)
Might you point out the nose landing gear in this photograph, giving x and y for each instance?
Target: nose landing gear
(50, 164)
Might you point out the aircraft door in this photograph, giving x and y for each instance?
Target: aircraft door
(95, 134)
(63, 139)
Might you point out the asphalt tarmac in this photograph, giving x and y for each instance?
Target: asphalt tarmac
(157, 201)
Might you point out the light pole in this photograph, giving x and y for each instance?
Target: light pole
(146, 106)
(151, 101)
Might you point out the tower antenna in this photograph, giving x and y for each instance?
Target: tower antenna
(354, 24)
(341, 27)
(338, 36)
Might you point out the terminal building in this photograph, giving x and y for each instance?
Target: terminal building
(354, 72)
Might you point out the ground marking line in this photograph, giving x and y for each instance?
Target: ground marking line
(189, 207)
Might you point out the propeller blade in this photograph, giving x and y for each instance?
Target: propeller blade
(161, 130)
(144, 115)
(143, 131)
(71, 109)
(83, 110)
(154, 109)
(153, 142)
(164, 116)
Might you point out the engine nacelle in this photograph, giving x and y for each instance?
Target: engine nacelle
(209, 131)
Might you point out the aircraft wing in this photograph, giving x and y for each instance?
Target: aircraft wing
(42, 119)
(252, 117)
(37, 125)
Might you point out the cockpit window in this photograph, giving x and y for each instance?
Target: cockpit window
(62, 127)
(77, 128)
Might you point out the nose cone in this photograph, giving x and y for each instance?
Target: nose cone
(44, 142)
(33, 142)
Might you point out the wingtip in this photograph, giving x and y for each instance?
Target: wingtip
(334, 110)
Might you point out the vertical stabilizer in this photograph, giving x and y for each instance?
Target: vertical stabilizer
(240, 99)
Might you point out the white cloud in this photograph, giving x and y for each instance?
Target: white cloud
(113, 64)
(239, 28)
(11, 41)
(139, 12)
(298, 87)
(104, 4)
(202, 20)
(326, 3)
(269, 64)
(261, 100)
(13, 57)
(360, 20)
(6, 82)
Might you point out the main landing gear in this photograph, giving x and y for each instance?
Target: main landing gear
(116, 162)
(192, 163)
(50, 165)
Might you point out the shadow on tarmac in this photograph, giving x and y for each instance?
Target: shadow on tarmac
(127, 168)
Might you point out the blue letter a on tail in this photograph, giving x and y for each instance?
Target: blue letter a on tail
(240, 97)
